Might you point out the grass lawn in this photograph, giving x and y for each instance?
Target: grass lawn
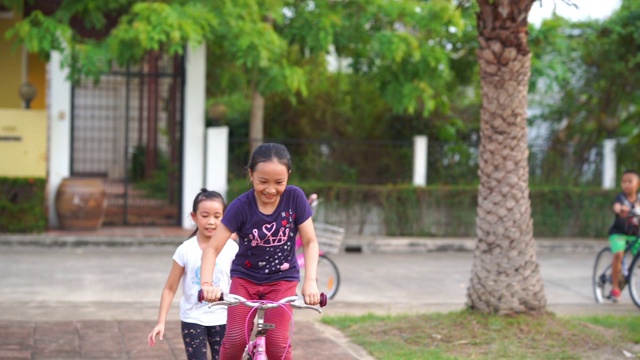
(470, 335)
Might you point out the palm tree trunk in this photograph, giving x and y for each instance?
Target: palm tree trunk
(256, 119)
(505, 276)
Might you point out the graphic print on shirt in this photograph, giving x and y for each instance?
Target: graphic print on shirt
(276, 238)
(215, 280)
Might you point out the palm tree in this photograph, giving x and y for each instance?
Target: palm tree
(505, 277)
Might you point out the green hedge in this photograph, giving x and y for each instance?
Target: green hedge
(450, 211)
(22, 205)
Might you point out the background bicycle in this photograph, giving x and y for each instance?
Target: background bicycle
(330, 239)
(629, 275)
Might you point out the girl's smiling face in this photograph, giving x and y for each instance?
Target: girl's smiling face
(269, 181)
(208, 217)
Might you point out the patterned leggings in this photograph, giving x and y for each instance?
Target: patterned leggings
(197, 336)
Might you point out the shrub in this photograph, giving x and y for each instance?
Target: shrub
(450, 211)
(22, 205)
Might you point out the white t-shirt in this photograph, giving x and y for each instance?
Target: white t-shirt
(189, 256)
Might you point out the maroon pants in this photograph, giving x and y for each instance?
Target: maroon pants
(277, 340)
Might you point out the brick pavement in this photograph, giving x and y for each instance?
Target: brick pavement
(89, 339)
(115, 338)
(126, 339)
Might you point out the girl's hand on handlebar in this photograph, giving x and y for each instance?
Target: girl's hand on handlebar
(211, 293)
(310, 293)
(624, 210)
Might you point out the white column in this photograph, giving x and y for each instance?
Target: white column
(59, 159)
(194, 129)
(609, 164)
(218, 159)
(420, 143)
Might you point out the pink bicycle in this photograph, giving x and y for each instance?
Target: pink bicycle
(257, 349)
(329, 239)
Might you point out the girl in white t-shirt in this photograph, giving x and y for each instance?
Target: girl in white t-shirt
(200, 324)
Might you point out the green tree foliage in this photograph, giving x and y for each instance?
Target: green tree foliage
(404, 67)
(586, 82)
(348, 101)
(141, 26)
(406, 44)
(406, 48)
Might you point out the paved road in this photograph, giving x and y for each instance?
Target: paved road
(106, 289)
(125, 282)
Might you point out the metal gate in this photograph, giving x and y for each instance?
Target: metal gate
(127, 130)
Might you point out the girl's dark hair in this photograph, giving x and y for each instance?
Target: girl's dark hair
(203, 195)
(267, 152)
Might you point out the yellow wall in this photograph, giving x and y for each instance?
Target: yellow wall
(10, 68)
(38, 76)
(23, 143)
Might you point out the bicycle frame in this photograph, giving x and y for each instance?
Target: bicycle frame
(626, 268)
(257, 349)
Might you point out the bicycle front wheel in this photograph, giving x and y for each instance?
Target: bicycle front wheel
(602, 275)
(634, 280)
(327, 275)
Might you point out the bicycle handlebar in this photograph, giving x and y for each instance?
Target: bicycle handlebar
(295, 301)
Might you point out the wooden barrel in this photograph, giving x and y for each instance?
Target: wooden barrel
(80, 203)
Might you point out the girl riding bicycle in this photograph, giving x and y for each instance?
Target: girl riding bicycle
(200, 325)
(266, 220)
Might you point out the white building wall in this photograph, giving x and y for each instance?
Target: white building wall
(217, 167)
(193, 153)
(420, 146)
(59, 112)
(609, 164)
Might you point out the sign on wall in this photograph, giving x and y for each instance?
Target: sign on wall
(23, 143)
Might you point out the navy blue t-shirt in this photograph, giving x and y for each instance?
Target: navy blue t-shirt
(620, 224)
(267, 241)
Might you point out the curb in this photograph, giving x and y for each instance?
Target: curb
(353, 244)
(81, 241)
(410, 244)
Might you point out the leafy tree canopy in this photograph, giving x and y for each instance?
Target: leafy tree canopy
(591, 70)
(406, 46)
(586, 82)
(138, 27)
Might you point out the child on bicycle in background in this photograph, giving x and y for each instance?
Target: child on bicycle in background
(200, 325)
(266, 220)
(623, 230)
